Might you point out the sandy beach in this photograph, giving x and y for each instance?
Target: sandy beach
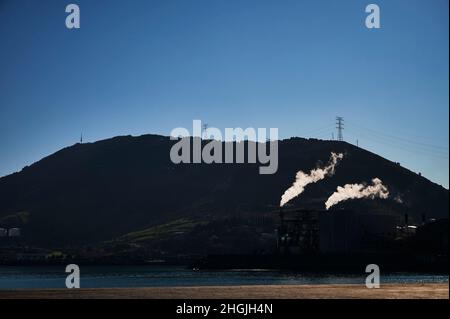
(388, 291)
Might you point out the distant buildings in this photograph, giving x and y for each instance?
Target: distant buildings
(12, 232)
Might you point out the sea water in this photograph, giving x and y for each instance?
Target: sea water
(25, 277)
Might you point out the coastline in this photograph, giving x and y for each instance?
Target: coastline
(335, 291)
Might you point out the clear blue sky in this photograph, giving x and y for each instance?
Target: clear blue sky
(138, 67)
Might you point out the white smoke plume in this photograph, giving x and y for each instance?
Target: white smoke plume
(377, 189)
(302, 179)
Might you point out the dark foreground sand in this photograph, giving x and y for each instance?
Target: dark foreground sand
(394, 291)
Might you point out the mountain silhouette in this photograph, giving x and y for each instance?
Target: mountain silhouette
(95, 192)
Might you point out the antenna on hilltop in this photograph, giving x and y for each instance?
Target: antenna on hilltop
(205, 129)
(81, 138)
(340, 127)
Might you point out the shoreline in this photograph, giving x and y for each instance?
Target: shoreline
(335, 291)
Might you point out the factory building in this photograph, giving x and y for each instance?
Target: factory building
(333, 231)
(298, 231)
(14, 232)
(338, 232)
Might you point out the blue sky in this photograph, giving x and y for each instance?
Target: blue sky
(138, 67)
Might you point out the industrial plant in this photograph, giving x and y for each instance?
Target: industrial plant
(343, 240)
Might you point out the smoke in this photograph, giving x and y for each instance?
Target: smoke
(377, 189)
(302, 179)
(398, 199)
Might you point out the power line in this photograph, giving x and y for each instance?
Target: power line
(397, 145)
(400, 144)
(318, 130)
(402, 139)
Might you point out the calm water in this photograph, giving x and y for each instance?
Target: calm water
(146, 276)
